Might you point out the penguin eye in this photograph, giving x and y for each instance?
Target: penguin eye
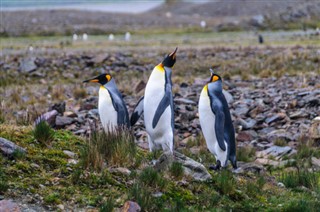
(108, 77)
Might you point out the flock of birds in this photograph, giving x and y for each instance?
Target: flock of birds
(158, 109)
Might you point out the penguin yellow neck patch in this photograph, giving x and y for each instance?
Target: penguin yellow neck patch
(160, 67)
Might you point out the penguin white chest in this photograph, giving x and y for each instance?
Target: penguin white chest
(108, 114)
(207, 122)
(154, 93)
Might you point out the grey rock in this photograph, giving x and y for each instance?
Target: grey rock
(62, 121)
(49, 117)
(131, 206)
(274, 163)
(192, 168)
(279, 135)
(120, 170)
(241, 109)
(27, 65)
(163, 162)
(9, 205)
(315, 162)
(275, 118)
(60, 107)
(246, 124)
(69, 153)
(248, 135)
(249, 167)
(275, 151)
(8, 148)
(314, 131)
(184, 101)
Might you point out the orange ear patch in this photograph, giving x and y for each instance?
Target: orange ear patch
(215, 78)
(108, 77)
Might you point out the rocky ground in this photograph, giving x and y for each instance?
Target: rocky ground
(274, 97)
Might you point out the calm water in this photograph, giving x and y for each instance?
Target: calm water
(132, 6)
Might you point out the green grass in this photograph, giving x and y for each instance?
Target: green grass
(43, 133)
(113, 147)
(246, 154)
(301, 178)
(176, 170)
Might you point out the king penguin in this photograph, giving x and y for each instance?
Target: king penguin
(216, 123)
(112, 109)
(157, 106)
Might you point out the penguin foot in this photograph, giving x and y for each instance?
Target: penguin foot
(215, 167)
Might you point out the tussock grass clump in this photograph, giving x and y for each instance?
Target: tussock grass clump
(3, 182)
(225, 182)
(176, 170)
(280, 142)
(254, 189)
(246, 154)
(150, 177)
(144, 198)
(115, 147)
(79, 93)
(301, 205)
(108, 206)
(53, 198)
(300, 178)
(43, 133)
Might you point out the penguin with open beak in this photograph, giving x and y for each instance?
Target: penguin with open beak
(112, 109)
(157, 106)
(216, 123)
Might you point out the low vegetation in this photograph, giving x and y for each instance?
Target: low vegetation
(51, 178)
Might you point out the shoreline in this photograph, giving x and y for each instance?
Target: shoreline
(120, 7)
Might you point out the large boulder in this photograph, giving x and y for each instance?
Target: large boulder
(8, 148)
(191, 167)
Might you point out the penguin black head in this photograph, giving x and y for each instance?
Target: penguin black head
(170, 59)
(214, 78)
(102, 79)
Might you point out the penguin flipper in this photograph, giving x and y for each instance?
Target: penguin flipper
(164, 103)
(138, 110)
(219, 128)
(217, 109)
(121, 108)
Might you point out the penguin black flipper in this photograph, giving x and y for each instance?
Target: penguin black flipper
(120, 107)
(164, 103)
(217, 109)
(137, 112)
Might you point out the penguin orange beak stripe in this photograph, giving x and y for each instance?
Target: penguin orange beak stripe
(91, 80)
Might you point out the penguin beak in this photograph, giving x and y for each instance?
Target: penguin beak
(91, 80)
(173, 54)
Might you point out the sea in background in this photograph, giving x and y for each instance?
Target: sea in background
(122, 6)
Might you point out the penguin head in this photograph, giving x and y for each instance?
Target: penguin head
(214, 78)
(102, 79)
(170, 59)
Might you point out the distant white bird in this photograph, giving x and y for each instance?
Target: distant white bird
(127, 36)
(30, 48)
(111, 37)
(75, 37)
(203, 24)
(85, 36)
